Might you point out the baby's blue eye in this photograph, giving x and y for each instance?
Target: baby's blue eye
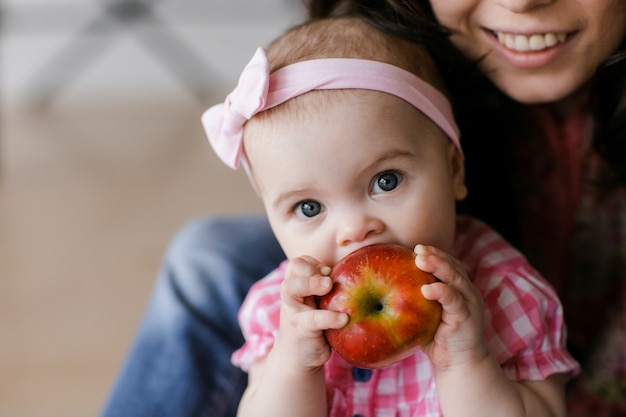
(385, 182)
(308, 208)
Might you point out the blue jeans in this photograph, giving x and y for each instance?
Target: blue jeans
(179, 364)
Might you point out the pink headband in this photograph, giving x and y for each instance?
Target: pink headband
(258, 90)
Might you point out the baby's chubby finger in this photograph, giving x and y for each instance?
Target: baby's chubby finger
(306, 266)
(302, 286)
(455, 292)
(439, 263)
(306, 277)
(325, 319)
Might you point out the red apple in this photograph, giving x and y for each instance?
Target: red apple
(379, 287)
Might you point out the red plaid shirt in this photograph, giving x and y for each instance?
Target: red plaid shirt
(524, 330)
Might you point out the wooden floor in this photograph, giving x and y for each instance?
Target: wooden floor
(91, 191)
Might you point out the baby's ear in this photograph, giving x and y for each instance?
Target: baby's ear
(457, 169)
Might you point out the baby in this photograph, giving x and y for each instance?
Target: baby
(347, 136)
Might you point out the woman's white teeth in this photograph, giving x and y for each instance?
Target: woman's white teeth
(536, 42)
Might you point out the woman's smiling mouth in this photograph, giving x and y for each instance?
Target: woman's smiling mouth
(534, 42)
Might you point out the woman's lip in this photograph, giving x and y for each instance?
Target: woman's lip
(529, 59)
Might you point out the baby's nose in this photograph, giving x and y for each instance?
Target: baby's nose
(357, 228)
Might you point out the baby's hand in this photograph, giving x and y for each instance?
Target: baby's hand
(459, 339)
(302, 325)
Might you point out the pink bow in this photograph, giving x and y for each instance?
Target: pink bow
(224, 122)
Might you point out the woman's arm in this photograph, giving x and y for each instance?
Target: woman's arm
(192, 316)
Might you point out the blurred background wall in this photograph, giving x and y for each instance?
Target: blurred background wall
(102, 160)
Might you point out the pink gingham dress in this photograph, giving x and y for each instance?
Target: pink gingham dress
(524, 329)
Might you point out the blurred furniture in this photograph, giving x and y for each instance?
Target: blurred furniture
(97, 34)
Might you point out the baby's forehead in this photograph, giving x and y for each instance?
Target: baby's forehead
(318, 110)
(337, 113)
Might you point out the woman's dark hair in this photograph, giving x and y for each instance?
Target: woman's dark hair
(610, 137)
(487, 117)
(408, 20)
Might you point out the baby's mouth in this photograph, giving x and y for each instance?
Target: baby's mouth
(535, 42)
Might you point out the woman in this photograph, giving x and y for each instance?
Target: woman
(548, 174)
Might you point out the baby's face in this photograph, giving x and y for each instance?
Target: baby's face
(365, 167)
